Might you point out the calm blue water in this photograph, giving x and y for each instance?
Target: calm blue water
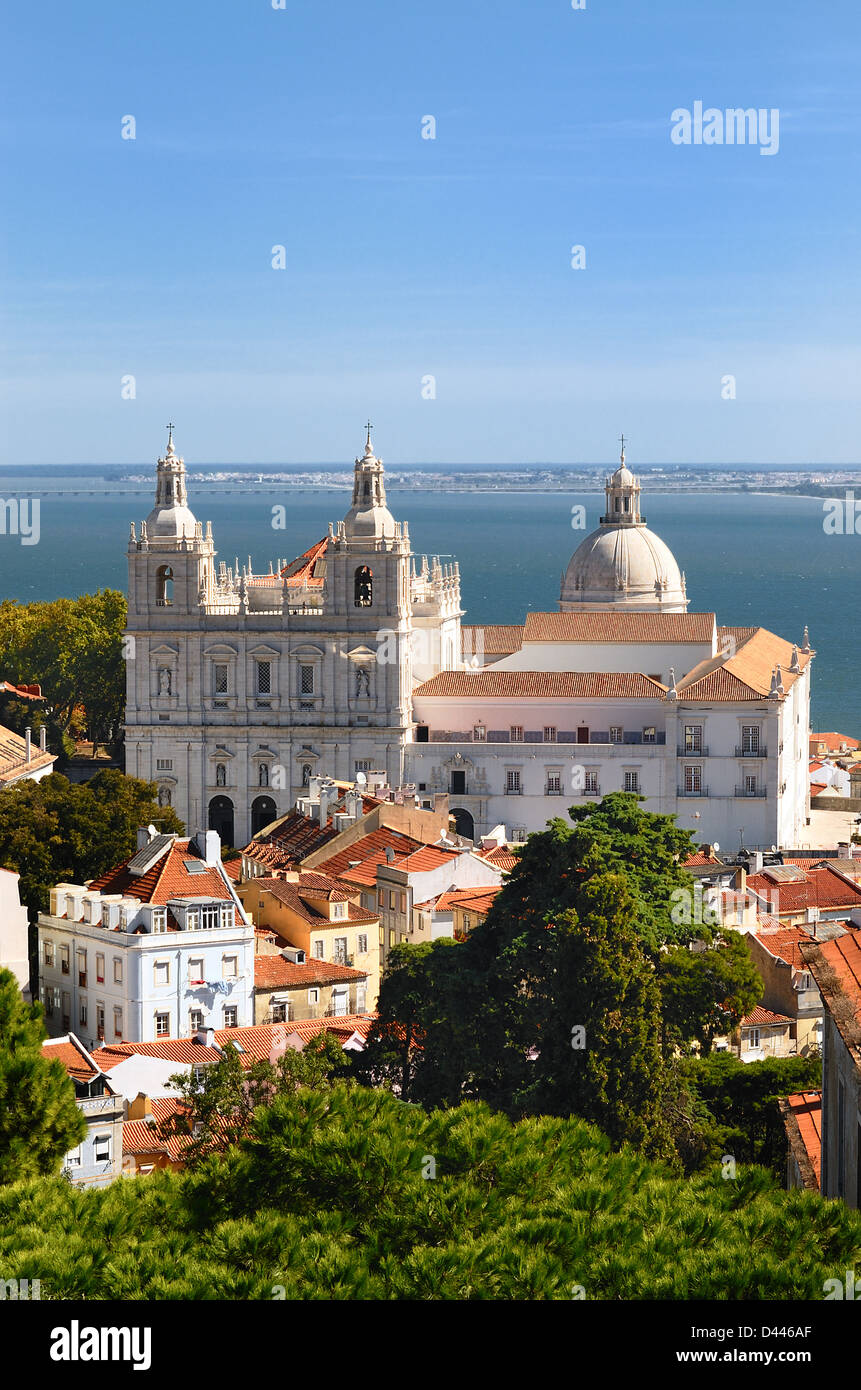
(750, 559)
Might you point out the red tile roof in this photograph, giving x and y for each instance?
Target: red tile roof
(21, 692)
(13, 757)
(73, 1055)
(262, 1041)
(816, 788)
(277, 972)
(833, 742)
(301, 901)
(822, 887)
(803, 1119)
(500, 856)
(142, 1138)
(497, 638)
(541, 685)
(369, 851)
(168, 878)
(760, 1017)
(472, 899)
(746, 673)
(784, 944)
(619, 627)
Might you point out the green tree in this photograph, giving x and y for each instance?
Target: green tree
(56, 831)
(707, 991)
(39, 1119)
(741, 1099)
(217, 1110)
(72, 648)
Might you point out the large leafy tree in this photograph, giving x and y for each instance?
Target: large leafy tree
(73, 648)
(707, 991)
(56, 831)
(39, 1119)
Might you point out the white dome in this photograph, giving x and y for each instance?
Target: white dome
(174, 523)
(623, 567)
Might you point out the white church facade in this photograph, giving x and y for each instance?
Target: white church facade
(352, 658)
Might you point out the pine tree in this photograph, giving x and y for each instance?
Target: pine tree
(39, 1118)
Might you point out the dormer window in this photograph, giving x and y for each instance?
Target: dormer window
(159, 919)
(339, 909)
(106, 915)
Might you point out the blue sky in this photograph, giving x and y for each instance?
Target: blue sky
(409, 257)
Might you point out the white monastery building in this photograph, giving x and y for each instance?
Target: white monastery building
(352, 658)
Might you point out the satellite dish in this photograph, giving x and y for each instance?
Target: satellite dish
(361, 779)
(774, 849)
(715, 846)
(151, 831)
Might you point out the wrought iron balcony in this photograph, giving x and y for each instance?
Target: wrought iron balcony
(685, 791)
(693, 752)
(760, 752)
(750, 791)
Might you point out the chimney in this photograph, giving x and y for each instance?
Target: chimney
(740, 880)
(328, 794)
(208, 845)
(29, 741)
(314, 785)
(205, 1037)
(144, 836)
(42, 736)
(140, 1108)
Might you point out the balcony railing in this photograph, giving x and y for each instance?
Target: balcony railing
(553, 791)
(689, 791)
(750, 791)
(693, 752)
(513, 791)
(590, 791)
(761, 752)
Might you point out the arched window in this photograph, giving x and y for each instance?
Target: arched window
(263, 813)
(616, 508)
(221, 818)
(220, 775)
(364, 587)
(263, 775)
(164, 586)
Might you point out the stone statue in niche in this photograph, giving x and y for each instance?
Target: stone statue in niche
(164, 796)
(363, 680)
(164, 681)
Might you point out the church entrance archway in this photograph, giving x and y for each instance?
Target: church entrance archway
(263, 813)
(221, 818)
(464, 823)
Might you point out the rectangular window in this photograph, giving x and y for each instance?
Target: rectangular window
(615, 733)
(100, 969)
(229, 967)
(317, 950)
(102, 1148)
(693, 779)
(403, 902)
(279, 1013)
(227, 916)
(64, 959)
(162, 1025)
(693, 738)
(164, 764)
(753, 1038)
(106, 914)
(512, 780)
(306, 680)
(100, 1020)
(479, 733)
(220, 678)
(362, 944)
(83, 1013)
(67, 1007)
(340, 950)
(210, 916)
(391, 936)
(361, 998)
(118, 1023)
(230, 1015)
(263, 671)
(649, 734)
(48, 949)
(381, 898)
(750, 785)
(48, 1001)
(159, 919)
(750, 738)
(554, 783)
(192, 919)
(632, 781)
(195, 968)
(515, 733)
(339, 910)
(391, 900)
(118, 970)
(549, 733)
(313, 996)
(195, 1020)
(161, 972)
(73, 1158)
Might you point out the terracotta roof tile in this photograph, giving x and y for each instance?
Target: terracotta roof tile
(763, 1017)
(301, 902)
(619, 627)
(541, 685)
(73, 1055)
(496, 638)
(13, 757)
(818, 887)
(803, 1119)
(833, 742)
(168, 878)
(277, 972)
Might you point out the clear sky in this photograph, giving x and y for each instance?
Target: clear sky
(410, 257)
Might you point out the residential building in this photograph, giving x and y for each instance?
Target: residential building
(836, 968)
(157, 947)
(320, 919)
(289, 987)
(807, 896)
(98, 1159)
(789, 987)
(21, 761)
(762, 1033)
